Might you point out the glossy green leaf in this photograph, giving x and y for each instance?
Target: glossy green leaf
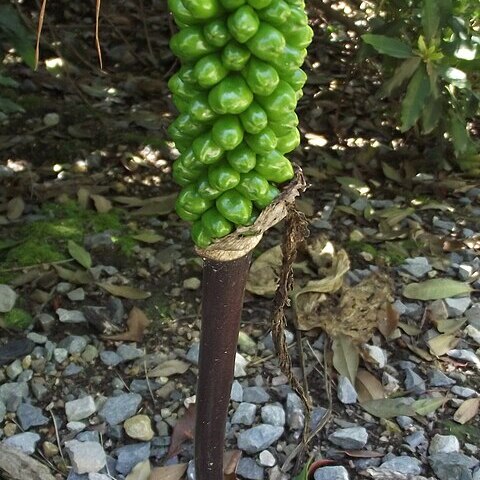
(431, 115)
(393, 47)
(402, 73)
(430, 18)
(417, 92)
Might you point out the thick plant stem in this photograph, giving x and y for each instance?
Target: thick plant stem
(223, 291)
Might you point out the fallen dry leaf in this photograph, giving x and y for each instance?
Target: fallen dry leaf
(441, 344)
(368, 386)
(168, 368)
(102, 204)
(346, 357)
(83, 196)
(263, 276)
(363, 453)
(15, 208)
(388, 323)
(230, 462)
(124, 291)
(436, 288)
(157, 206)
(467, 410)
(172, 472)
(137, 323)
(184, 430)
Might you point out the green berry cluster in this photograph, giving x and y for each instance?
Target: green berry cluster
(236, 92)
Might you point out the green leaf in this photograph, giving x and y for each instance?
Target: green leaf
(425, 406)
(303, 475)
(7, 106)
(8, 82)
(430, 18)
(79, 254)
(393, 47)
(389, 407)
(417, 92)
(459, 135)
(431, 115)
(402, 73)
(436, 289)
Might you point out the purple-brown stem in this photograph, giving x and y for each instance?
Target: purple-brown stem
(223, 291)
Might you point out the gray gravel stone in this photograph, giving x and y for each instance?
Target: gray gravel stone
(74, 344)
(258, 438)
(117, 409)
(30, 416)
(72, 370)
(255, 395)
(130, 455)
(416, 439)
(417, 266)
(268, 341)
(346, 392)
(438, 379)
(16, 390)
(405, 464)
(129, 352)
(88, 436)
(295, 412)
(86, 457)
(414, 382)
(473, 315)
(249, 469)
(3, 411)
(14, 369)
(452, 466)
(111, 359)
(76, 295)
(8, 298)
(26, 442)
(466, 355)
(457, 306)
(444, 444)
(331, 473)
(60, 354)
(80, 409)
(193, 353)
(240, 364)
(37, 338)
(463, 392)
(245, 414)
(70, 316)
(273, 415)
(236, 394)
(354, 438)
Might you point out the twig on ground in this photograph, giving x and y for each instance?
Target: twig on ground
(57, 435)
(29, 267)
(148, 383)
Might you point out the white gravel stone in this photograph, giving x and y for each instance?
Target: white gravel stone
(240, 364)
(266, 459)
(76, 295)
(86, 457)
(444, 444)
(418, 266)
(26, 442)
(376, 354)
(80, 409)
(406, 465)
(8, 298)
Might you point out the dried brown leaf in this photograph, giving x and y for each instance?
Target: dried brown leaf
(158, 206)
(230, 462)
(124, 291)
(368, 386)
(83, 196)
(172, 472)
(467, 410)
(263, 276)
(168, 368)
(389, 323)
(137, 323)
(102, 204)
(183, 431)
